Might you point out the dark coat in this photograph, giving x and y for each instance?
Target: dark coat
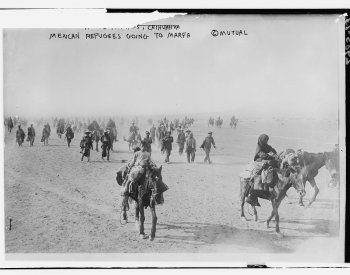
(167, 143)
(262, 149)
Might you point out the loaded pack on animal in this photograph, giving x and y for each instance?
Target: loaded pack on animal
(269, 183)
(142, 182)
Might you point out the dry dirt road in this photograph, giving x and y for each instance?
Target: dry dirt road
(60, 204)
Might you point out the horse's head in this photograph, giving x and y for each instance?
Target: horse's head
(157, 174)
(296, 180)
(332, 165)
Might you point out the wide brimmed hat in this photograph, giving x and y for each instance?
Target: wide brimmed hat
(147, 133)
(210, 132)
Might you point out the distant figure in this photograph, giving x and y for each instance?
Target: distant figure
(133, 128)
(153, 133)
(167, 145)
(9, 124)
(86, 146)
(46, 134)
(69, 134)
(106, 144)
(206, 146)
(181, 139)
(190, 148)
(148, 142)
(20, 135)
(31, 135)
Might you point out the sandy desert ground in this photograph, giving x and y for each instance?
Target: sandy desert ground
(62, 205)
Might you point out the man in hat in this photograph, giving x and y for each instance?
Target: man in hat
(106, 144)
(181, 139)
(31, 135)
(86, 146)
(206, 146)
(190, 148)
(148, 141)
(167, 145)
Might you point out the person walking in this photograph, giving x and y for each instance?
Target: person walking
(206, 146)
(191, 148)
(167, 145)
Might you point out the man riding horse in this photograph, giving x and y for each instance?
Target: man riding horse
(142, 181)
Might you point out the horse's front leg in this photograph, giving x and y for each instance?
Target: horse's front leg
(137, 216)
(316, 191)
(277, 219)
(301, 203)
(154, 222)
(272, 214)
(142, 221)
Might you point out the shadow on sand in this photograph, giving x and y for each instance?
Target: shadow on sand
(264, 240)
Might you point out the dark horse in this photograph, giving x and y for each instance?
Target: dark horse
(311, 163)
(283, 180)
(149, 193)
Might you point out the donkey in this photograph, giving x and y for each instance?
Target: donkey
(149, 193)
(280, 183)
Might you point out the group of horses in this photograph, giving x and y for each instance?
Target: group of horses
(218, 122)
(283, 178)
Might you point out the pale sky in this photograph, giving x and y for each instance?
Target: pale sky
(285, 65)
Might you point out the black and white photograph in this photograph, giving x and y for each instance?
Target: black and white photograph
(214, 135)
